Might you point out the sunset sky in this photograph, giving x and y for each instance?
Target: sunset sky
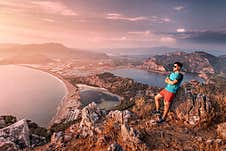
(94, 24)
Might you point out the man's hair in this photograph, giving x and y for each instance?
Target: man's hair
(179, 64)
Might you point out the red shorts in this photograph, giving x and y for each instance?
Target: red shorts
(168, 96)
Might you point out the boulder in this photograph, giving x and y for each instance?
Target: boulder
(20, 135)
(6, 145)
(129, 134)
(120, 116)
(7, 120)
(132, 138)
(193, 107)
(17, 133)
(90, 115)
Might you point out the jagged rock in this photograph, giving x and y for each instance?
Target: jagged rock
(56, 141)
(131, 138)
(22, 134)
(193, 107)
(120, 116)
(90, 114)
(129, 134)
(73, 114)
(17, 133)
(7, 120)
(221, 130)
(57, 137)
(37, 140)
(6, 145)
(115, 147)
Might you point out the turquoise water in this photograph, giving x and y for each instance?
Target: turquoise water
(28, 93)
(150, 78)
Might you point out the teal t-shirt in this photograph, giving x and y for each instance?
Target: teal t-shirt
(174, 87)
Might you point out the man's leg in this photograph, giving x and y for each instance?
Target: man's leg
(166, 109)
(157, 101)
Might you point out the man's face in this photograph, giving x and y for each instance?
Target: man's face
(176, 67)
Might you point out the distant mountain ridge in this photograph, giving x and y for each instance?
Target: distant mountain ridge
(158, 50)
(46, 52)
(195, 62)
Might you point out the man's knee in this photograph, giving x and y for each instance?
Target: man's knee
(158, 96)
(167, 104)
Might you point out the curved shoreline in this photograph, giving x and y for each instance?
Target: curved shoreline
(68, 100)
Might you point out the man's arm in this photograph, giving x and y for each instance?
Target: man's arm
(168, 81)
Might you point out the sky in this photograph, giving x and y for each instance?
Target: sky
(95, 24)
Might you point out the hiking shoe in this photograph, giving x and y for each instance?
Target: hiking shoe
(156, 112)
(161, 120)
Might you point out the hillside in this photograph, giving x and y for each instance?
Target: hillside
(195, 62)
(42, 53)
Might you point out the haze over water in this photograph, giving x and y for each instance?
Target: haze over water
(28, 93)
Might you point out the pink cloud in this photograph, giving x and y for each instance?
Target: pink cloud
(55, 8)
(116, 16)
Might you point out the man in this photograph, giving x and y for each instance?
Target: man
(173, 81)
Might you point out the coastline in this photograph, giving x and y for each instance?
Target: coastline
(70, 99)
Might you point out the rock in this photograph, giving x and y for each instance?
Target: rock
(7, 120)
(132, 138)
(193, 107)
(115, 147)
(129, 134)
(57, 137)
(221, 130)
(73, 114)
(6, 145)
(17, 133)
(120, 116)
(90, 114)
(37, 140)
(67, 137)
(23, 134)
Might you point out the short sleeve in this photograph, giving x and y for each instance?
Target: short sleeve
(179, 77)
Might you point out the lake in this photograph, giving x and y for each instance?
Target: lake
(150, 78)
(29, 93)
(103, 98)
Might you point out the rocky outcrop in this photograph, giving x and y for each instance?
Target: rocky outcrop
(196, 62)
(131, 138)
(6, 145)
(22, 134)
(196, 120)
(120, 116)
(90, 115)
(7, 120)
(17, 133)
(194, 107)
